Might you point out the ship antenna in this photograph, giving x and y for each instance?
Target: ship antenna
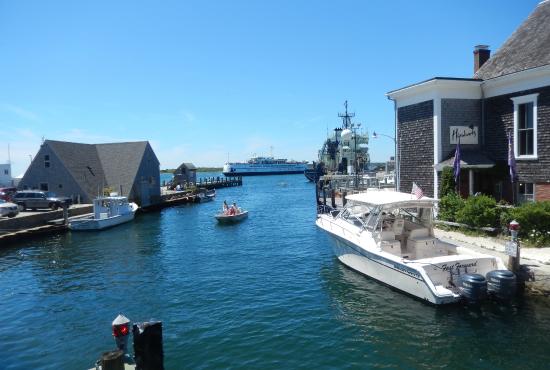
(346, 117)
(271, 151)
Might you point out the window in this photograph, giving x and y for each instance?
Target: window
(525, 126)
(44, 186)
(526, 192)
(46, 161)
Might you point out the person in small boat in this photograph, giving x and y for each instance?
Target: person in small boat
(234, 209)
(225, 207)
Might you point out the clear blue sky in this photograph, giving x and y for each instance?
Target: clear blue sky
(201, 79)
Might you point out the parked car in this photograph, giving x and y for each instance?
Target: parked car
(8, 209)
(35, 199)
(7, 193)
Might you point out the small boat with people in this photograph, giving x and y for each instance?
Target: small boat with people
(231, 214)
(109, 211)
(206, 196)
(389, 236)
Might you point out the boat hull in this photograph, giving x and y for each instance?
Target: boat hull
(100, 224)
(392, 273)
(227, 219)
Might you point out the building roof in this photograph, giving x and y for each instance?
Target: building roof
(94, 166)
(528, 47)
(390, 199)
(188, 165)
(82, 162)
(121, 163)
(468, 159)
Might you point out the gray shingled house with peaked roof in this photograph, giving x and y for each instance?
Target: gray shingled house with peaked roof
(83, 171)
(509, 94)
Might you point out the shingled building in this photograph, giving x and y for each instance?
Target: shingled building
(509, 94)
(83, 171)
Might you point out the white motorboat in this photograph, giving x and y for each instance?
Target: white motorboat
(389, 236)
(108, 212)
(227, 218)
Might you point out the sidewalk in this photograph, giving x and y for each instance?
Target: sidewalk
(537, 259)
(539, 255)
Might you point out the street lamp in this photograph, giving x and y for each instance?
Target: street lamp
(397, 161)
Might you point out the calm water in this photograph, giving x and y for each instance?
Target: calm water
(264, 294)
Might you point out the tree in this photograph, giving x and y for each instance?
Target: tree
(447, 182)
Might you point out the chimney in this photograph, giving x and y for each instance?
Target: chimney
(481, 55)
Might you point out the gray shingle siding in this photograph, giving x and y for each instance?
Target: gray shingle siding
(458, 112)
(415, 139)
(499, 120)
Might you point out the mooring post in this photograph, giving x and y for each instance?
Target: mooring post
(112, 360)
(514, 258)
(148, 351)
(324, 198)
(344, 200)
(65, 214)
(333, 198)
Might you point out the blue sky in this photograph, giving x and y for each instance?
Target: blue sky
(204, 79)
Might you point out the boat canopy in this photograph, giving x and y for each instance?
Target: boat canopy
(391, 199)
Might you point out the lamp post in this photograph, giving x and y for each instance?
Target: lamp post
(397, 161)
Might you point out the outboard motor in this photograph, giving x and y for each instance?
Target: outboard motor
(501, 284)
(473, 287)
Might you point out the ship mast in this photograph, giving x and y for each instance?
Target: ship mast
(346, 117)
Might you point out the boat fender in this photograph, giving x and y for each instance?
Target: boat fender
(472, 287)
(501, 284)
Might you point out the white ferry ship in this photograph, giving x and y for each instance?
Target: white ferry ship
(264, 166)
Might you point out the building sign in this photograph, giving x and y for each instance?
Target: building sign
(466, 134)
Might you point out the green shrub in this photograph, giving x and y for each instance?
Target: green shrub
(449, 205)
(534, 221)
(447, 182)
(479, 211)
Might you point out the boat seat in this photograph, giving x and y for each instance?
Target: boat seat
(419, 233)
(398, 226)
(387, 235)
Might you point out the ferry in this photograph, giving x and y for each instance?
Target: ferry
(264, 166)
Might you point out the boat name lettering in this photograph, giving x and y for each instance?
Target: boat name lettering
(457, 266)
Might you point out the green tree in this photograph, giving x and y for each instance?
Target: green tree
(447, 182)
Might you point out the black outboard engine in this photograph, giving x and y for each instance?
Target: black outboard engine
(501, 284)
(473, 287)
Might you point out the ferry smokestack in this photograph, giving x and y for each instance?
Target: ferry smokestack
(481, 55)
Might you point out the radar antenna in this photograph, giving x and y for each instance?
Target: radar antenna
(346, 117)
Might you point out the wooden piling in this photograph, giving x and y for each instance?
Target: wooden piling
(333, 198)
(112, 360)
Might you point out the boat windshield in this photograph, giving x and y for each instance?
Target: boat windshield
(356, 214)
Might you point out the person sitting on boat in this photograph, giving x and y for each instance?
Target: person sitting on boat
(225, 207)
(234, 209)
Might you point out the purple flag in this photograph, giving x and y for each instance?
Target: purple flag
(511, 160)
(456, 163)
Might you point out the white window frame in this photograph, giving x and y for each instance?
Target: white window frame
(533, 195)
(531, 98)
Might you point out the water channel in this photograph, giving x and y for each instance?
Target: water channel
(263, 294)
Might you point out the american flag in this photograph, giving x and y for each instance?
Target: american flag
(417, 191)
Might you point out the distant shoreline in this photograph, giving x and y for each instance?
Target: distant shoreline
(199, 169)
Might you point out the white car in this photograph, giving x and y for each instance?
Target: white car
(8, 209)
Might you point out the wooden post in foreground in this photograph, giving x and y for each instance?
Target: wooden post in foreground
(112, 360)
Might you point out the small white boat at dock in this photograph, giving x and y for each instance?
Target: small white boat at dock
(108, 212)
(389, 236)
(206, 196)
